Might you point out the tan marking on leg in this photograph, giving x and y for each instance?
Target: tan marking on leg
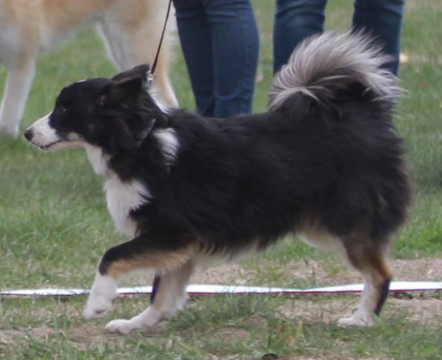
(172, 287)
(371, 261)
(360, 252)
(170, 298)
(163, 261)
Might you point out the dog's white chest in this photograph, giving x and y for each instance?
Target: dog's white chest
(122, 198)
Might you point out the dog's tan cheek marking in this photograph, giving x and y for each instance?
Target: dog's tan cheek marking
(161, 261)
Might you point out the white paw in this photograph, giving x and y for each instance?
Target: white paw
(103, 292)
(120, 326)
(9, 130)
(358, 320)
(96, 306)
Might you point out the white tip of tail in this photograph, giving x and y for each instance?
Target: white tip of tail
(323, 64)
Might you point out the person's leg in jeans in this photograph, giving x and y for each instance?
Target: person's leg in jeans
(235, 54)
(383, 20)
(196, 41)
(220, 44)
(294, 21)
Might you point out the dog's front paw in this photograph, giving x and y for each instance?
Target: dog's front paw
(100, 299)
(96, 306)
(120, 326)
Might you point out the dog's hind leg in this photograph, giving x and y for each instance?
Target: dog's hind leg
(166, 251)
(364, 254)
(170, 297)
(18, 85)
(371, 261)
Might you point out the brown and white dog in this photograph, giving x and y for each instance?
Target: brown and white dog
(131, 30)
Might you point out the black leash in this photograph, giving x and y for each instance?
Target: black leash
(151, 74)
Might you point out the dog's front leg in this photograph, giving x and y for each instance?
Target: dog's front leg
(170, 297)
(103, 292)
(18, 85)
(168, 252)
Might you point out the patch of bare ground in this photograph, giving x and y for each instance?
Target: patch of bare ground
(421, 307)
(83, 337)
(225, 274)
(324, 311)
(86, 337)
(425, 311)
(326, 273)
(231, 334)
(11, 336)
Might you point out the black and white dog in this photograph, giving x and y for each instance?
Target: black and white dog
(323, 163)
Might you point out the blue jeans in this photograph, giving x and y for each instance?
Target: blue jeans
(220, 45)
(298, 19)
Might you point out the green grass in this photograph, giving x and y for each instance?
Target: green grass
(54, 228)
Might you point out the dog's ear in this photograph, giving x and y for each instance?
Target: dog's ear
(127, 84)
(124, 89)
(137, 71)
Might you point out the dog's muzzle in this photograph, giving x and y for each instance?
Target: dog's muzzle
(29, 134)
(42, 135)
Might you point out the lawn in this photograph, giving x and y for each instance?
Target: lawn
(54, 227)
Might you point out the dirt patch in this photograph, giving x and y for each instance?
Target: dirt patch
(11, 336)
(86, 337)
(420, 307)
(324, 311)
(231, 334)
(326, 273)
(83, 337)
(225, 274)
(418, 269)
(425, 311)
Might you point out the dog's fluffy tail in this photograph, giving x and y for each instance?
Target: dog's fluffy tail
(322, 66)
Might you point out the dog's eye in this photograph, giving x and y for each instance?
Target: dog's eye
(60, 110)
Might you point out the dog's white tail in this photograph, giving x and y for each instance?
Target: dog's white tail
(322, 65)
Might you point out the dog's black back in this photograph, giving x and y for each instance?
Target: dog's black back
(253, 178)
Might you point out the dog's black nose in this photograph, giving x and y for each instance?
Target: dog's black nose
(28, 134)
